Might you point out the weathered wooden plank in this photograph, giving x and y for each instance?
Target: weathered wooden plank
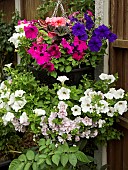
(126, 19)
(120, 43)
(125, 150)
(8, 7)
(28, 8)
(120, 18)
(123, 122)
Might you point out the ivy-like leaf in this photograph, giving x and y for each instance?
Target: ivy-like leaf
(56, 159)
(30, 155)
(72, 159)
(82, 157)
(64, 159)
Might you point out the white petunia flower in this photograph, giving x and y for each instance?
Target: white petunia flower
(119, 94)
(111, 111)
(62, 106)
(76, 110)
(18, 105)
(121, 107)
(3, 86)
(19, 93)
(20, 27)
(101, 122)
(8, 65)
(104, 106)
(11, 99)
(87, 121)
(104, 76)
(62, 79)
(15, 38)
(7, 118)
(24, 119)
(39, 112)
(63, 93)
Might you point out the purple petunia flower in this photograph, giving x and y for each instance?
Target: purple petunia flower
(78, 29)
(31, 31)
(102, 31)
(89, 21)
(83, 37)
(95, 44)
(112, 37)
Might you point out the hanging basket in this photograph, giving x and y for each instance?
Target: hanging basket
(74, 76)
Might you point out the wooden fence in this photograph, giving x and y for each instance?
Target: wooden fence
(118, 150)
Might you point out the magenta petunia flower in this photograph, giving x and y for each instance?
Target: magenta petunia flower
(81, 45)
(31, 31)
(54, 51)
(77, 56)
(49, 66)
(36, 49)
(43, 58)
(67, 46)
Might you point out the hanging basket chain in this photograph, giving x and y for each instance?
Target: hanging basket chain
(59, 3)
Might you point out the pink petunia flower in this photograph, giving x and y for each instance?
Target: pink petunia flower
(31, 31)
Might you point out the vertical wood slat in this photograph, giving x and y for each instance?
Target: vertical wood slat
(126, 19)
(28, 9)
(8, 7)
(125, 151)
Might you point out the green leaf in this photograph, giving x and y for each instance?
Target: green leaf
(42, 147)
(61, 68)
(72, 159)
(73, 149)
(14, 164)
(53, 74)
(48, 142)
(22, 158)
(56, 159)
(48, 161)
(34, 166)
(41, 142)
(40, 161)
(65, 147)
(43, 156)
(64, 159)
(27, 166)
(36, 157)
(68, 68)
(30, 155)
(20, 166)
(82, 157)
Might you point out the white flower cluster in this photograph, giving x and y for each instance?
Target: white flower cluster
(102, 104)
(88, 116)
(15, 38)
(12, 103)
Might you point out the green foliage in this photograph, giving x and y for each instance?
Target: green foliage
(49, 156)
(6, 48)
(47, 7)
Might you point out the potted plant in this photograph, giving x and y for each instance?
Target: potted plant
(60, 116)
(59, 45)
